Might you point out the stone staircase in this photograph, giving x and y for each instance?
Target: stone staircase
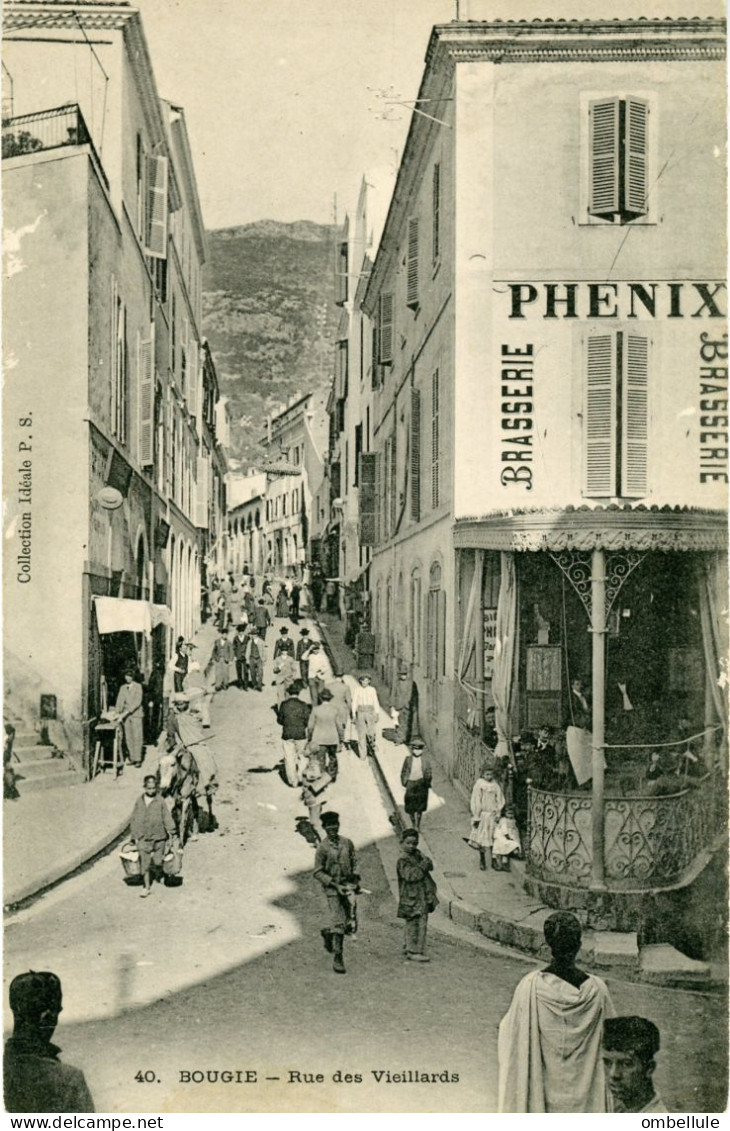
(39, 765)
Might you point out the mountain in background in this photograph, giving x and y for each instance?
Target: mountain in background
(270, 320)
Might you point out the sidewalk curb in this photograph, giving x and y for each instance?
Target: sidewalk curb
(82, 857)
(53, 876)
(609, 956)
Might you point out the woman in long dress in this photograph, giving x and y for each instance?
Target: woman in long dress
(131, 716)
(487, 802)
(282, 602)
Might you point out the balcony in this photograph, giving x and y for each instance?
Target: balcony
(46, 130)
(652, 842)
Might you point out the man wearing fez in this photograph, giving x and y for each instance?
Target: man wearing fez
(630, 1045)
(35, 1079)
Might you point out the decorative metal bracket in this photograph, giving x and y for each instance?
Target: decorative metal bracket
(576, 565)
(618, 568)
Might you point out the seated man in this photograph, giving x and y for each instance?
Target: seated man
(630, 1045)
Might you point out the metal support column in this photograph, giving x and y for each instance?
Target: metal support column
(479, 637)
(598, 629)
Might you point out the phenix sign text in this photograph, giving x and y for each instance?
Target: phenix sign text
(618, 300)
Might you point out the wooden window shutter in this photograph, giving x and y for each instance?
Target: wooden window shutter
(436, 213)
(635, 416)
(193, 376)
(368, 499)
(201, 493)
(156, 207)
(146, 399)
(600, 417)
(113, 316)
(432, 609)
(412, 264)
(604, 157)
(184, 336)
(415, 455)
(342, 366)
(341, 274)
(635, 156)
(435, 439)
(441, 606)
(393, 484)
(385, 326)
(374, 357)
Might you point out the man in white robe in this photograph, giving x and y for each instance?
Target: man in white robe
(550, 1039)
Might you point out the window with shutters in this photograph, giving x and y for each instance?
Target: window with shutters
(341, 274)
(435, 439)
(618, 143)
(385, 329)
(146, 399)
(436, 213)
(616, 415)
(155, 229)
(119, 386)
(412, 300)
(415, 455)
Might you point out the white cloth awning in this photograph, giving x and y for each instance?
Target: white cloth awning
(121, 614)
(161, 615)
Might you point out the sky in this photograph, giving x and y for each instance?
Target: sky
(284, 99)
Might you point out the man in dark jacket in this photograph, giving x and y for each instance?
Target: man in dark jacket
(293, 716)
(261, 618)
(284, 644)
(35, 1079)
(256, 658)
(240, 647)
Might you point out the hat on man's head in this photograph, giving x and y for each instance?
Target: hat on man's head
(330, 818)
(179, 696)
(32, 993)
(631, 1034)
(284, 630)
(149, 777)
(304, 632)
(417, 744)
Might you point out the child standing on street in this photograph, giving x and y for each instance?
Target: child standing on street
(416, 895)
(487, 802)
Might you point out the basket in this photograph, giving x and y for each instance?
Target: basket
(129, 857)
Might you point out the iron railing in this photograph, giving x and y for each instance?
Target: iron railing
(46, 129)
(651, 843)
(470, 755)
